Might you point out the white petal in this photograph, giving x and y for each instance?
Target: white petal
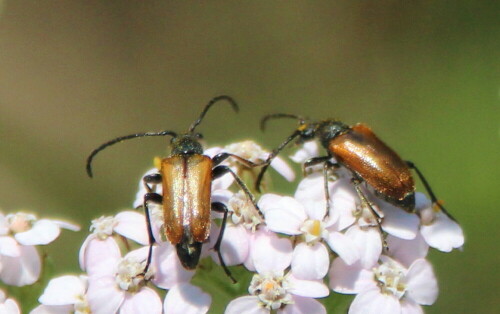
(307, 288)
(410, 307)
(146, 301)
(311, 193)
(369, 244)
(43, 232)
(234, 247)
(407, 251)
(373, 302)
(303, 305)
(186, 299)
(53, 309)
(399, 223)
(132, 225)
(101, 257)
(422, 284)
(67, 225)
(310, 262)
(283, 169)
(285, 216)
(308, 150)
(343, 200)
(9, 307)
(245, 305)
(63, 291)
(169, 271)
(22, 270)
(271, 253)
(103, 295)
(344, 246)
(9, 247)
(268, 200)
(350, 279)
(443, 234)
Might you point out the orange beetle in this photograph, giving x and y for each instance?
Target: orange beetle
(186, 177)
(359, 150)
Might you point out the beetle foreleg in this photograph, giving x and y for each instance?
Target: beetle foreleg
(221, 208)
(217, 159)
(156, 198)
(429, 190)
(219, 171)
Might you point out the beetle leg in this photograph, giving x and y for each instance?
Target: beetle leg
(219, 171)
(357, 182)
(429, 190)
(217, 159)
(221, 208)
(150, 197)
(312, 162)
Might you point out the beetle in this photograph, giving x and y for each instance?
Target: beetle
(186, 177)
(367, 157)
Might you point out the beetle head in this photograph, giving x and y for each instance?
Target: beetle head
(186, 144)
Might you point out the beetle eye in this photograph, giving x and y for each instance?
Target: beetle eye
(198, 135)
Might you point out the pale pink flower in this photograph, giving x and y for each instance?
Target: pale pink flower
(273, 289)
(118, 284)
(8, 305)
(438, 230)
(129, 224)
(65, 294)
(19, 233)
(243, 221)
(186, 299)
(387, 286)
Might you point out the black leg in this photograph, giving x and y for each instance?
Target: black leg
(313, 162)
(221, 208)
(217, 159)
(366, 202)
(429, 190)
(155, 198)
(219, 171)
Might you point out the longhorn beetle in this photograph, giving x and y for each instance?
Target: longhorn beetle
(359, 150)
(186, 176)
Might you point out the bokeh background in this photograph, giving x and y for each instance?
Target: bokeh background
(425, 75)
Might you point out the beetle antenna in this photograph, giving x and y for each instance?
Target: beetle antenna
(210, 103)
(272, 155)
(278, 116)
(120, 139)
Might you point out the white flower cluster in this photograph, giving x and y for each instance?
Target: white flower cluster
(291, 244)
(20, 262)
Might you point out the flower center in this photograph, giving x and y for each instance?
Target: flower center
(20, 222)
(244, 212)
(271, 289)
(313, 230)
(129, 275)
(81, 306)
(103, 227)
(391, 279)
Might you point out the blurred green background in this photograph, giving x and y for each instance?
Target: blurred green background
(425, 75)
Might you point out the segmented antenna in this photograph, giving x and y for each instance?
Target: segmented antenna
(263, 121)
(120, 139)
(210, 103)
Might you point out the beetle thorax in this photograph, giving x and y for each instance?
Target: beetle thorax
(186, 144)
(329, 129)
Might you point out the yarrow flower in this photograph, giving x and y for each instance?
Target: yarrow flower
(19, 234)
(290, 243)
